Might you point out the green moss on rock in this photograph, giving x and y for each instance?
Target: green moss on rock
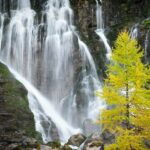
(14, 104)
(54, 144)
(146, 23)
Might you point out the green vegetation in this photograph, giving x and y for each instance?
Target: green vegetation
(128, 99)
(146, 23)
(54, 144)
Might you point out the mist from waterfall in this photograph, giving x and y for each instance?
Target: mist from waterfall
(54, 65)
(100, 28)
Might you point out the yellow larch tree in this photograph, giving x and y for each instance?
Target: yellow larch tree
(127, 95)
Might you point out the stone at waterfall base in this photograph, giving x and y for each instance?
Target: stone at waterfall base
(93, 142)
(76, 140)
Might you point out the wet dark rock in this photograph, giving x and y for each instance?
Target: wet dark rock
(94, 145)
(66, 147)
(107, 137)
(54, 133)
(29, 142)
(54, 144)
(122, 12)
(50, 129)
(44, 147)
(93, 142)
(13, 146)
(38, 5)
(147, 143)
(76, 140)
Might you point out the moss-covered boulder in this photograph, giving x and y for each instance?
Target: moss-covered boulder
(55, 144)
(66, 147)
(76, 140)
(94, 145)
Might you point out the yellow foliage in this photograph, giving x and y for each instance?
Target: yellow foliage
(127, 140)
(127, 95)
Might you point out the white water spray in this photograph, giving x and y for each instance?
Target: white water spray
(54, 65)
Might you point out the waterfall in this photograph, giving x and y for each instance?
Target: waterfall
(99, 16)
(146, 47)
(56, 67)
(23, 4)
(100, 29)
(1, 28)
(134, 31)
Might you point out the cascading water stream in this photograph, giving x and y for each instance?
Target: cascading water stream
(1, 28)
(134, 31)
(54, 65)
(23, 4)
(100, 28)
(146, 46)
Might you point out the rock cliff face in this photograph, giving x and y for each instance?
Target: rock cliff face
(117, 15)
(125, 11)
(85, 21)
(124, 14)
(16, 119)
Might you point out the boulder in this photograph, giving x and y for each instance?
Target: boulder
(94, 145)
(13, 146)
(66, 147)
(76, 140)
(30, 142)
(93, 142)
(44, 147)
(107, 137)
(147, 143)
(54, 144)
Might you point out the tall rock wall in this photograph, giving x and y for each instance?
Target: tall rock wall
(85, 21)
(16, 119)
(117, 15)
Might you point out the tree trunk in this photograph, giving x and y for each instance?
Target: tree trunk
(127, 107)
